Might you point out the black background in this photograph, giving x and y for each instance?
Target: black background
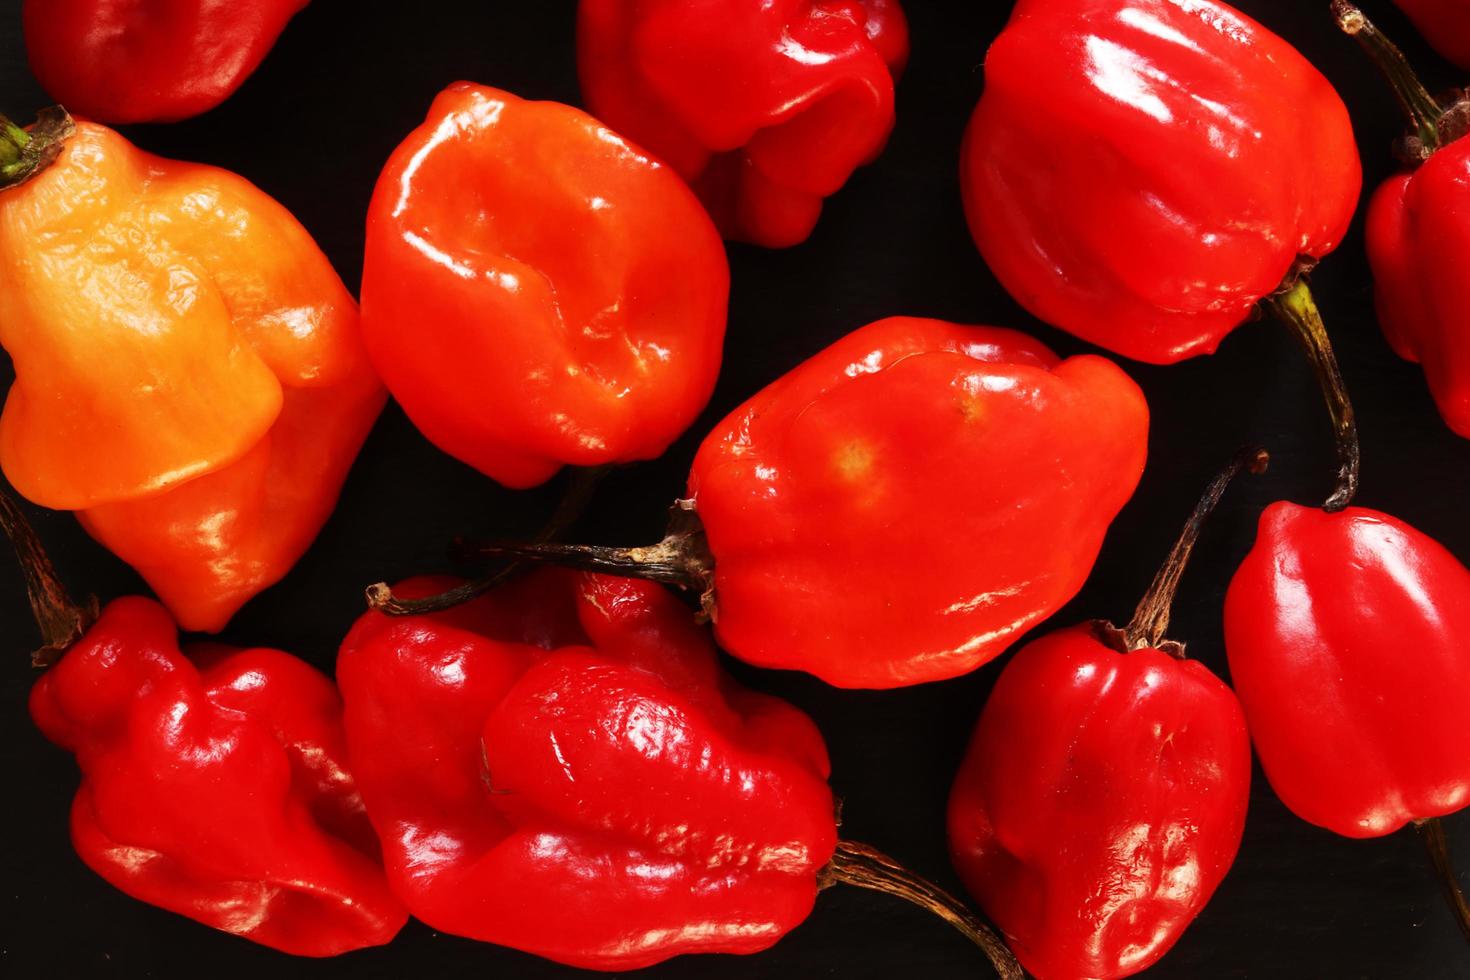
(349, 79)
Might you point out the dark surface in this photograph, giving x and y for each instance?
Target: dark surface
(348, 80)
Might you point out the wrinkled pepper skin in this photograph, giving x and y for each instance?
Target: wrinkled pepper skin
(1419, 245)
(1100, 804)
(562, 767)
(765, 108)
(1445, 24)
(189, 374)
(1142, 173)
(537, 292)
(901, 506)
(131, 61)
(218, 791)
(1346, 638)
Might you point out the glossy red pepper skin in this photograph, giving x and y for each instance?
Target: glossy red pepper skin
(1345, 634)
(562, 767)
(220, 790)
(1418, 236)
(1100, 803)
(1142, 173)
(765, 108)
(130, 61)
(1445, 24)
(536, 291)
(903, 505)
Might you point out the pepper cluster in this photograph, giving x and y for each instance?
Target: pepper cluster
(553, 759)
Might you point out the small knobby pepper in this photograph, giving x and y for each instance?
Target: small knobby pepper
(1445, 24)
(536, 291)
(129, 61)
(1104, 793)
(562, 767)
(214, 785)
(189, 375)
(902, 505)
(1143, 173)
(1418, 230)
(765, 108)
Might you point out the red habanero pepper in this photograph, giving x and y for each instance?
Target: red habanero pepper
(1104, 793)
(902, 505)
(189, 377)
(1143, 173)
(129, 61)
(561, 766)
(1445, 24)
(1418, 231)
(213, 785)
(765, 108)
(1344, 628)
(536, 291)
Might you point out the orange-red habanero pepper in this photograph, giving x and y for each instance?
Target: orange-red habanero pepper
(189, 376)
(901, 506)
(765, 108)
(537, 291)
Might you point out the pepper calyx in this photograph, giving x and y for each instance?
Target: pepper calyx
(24, 153)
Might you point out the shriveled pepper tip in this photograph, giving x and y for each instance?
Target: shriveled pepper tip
(1350, 19)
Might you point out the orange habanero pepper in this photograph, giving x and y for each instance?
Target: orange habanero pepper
(189, 375)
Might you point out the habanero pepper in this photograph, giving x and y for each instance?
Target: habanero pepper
(537, 292)
(560, 766)
(1344, 629)
(1144, 173)
(189, 375)
(1418, 230)
(130, 61)
(765, 108)
(1445, 24)
(214, 785)
(900, 506)
(1103, 796)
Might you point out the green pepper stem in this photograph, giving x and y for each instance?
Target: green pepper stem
(61, 620)
(861, 866)
(1295, 306)
(1150, 620)
(581, 487)
(1423, 110)
(1437, 843)
(25, 153)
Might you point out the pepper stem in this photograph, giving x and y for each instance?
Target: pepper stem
(581, 486)
(1424, 110)
(1151, 619)
(1295, 306)
(861, 866)
(682, 559)
(61, 620)
(25, 153)
(1438, 844)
